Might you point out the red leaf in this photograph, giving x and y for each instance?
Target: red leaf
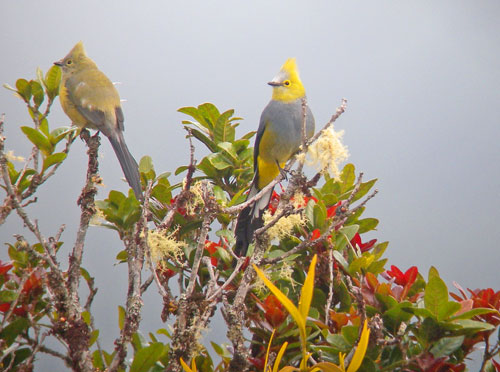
(5, 267)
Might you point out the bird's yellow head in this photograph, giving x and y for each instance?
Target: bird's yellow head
(287, 86)
(75, 60)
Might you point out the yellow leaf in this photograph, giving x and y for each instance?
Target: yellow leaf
(360, 352)
(279, 356)
(307, 290)
(327, 367)
(268, 349)
(185, 366)
(289, 369)
(341, 361)
(291, 308)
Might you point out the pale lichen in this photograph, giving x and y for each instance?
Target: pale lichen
(328, 152)
(11, 157)
(164, 246)
(284, 226)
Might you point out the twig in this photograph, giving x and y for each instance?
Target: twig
(340, 110)
(207, 220)
(16, 300)
(233, 275)
(330, 286)
(184, 194)
(237, 208)
(46, 350)
(304, 145)
(87, 205)
(136, 246)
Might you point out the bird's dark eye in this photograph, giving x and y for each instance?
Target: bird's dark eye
(286, 83)
(69, 62)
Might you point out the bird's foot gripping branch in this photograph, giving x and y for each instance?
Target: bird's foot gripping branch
(314, 290)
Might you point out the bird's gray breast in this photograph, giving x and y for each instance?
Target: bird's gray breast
(284, 121)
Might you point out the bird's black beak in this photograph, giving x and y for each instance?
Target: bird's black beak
(275, 84)
(58, 63)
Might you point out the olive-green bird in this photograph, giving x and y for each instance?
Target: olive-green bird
(91, 100)
(278, 138)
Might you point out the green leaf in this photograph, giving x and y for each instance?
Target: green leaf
(421, 312)
(446, 346)
(138, 341)
(38, 139)
(52, 81)
(222, 127)
(39, 75)
(14, 329)
(230, 150)
(44, 127)
(436, 295)
(7, 296)
(37, 91)
(19, 356)
(433, 273)
(204, 139)
(448, 310)
(146, 164)
(319, 215)
(93, 337)
(181, 169)
(350, 333)
(309, 211)
(340, 259)
(145, 358)
(53, 159)
(347, 176)
(60, 133)
(397, 314)
(338, 342)
(21, 258)
(363, 189)
(195, 114)
(24, 89)
(122, 256)
(97, 360)
(218, 161)
(366, 224)
(86, 317)
(474, 312)
(121, 317)
(361, 263)
(210, 113)
(346, 235)
(474, 325)
(85, 275)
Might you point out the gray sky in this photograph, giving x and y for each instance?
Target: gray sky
(422, 81)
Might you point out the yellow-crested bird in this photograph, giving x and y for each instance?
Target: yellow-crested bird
(91, 100)
(278, 138)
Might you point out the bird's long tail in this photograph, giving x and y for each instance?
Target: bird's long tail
(250, 219)
(128, 164)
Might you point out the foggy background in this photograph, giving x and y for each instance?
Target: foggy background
(422, 80)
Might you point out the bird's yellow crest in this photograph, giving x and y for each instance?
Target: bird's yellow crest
(77, 51)
(76, 60)
(290, 67)
(287, 86)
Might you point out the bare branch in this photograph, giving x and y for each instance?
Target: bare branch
(207, 220)
(87, 205)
